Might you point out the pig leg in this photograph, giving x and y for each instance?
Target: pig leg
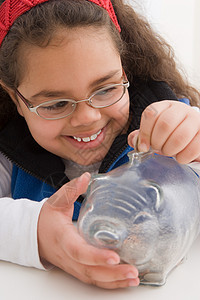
(153, 279)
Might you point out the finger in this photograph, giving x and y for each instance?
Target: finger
(70, 191)
(148, 121)
(132, 138)
(167, 122)
(121, 275)
(191, 152)
(118, 284)
(109, 274)
(183, 134)
(113, 284)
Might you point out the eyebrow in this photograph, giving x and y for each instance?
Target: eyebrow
(57, 93)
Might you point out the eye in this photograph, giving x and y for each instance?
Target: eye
(106, 94)
(141, 218)
(105, 91)
(56, 105)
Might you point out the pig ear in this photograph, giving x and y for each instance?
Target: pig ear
(97, 179)
(155, 192)
(159, 196)
(98, 176)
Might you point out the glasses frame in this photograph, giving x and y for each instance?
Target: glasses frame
(33, 109)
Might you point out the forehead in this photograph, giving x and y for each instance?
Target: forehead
(71, 50)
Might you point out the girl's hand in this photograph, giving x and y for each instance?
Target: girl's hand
(61, 245)
(171, 128)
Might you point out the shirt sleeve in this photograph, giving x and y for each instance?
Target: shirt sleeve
(18, 223)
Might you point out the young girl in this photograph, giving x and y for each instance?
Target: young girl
(79, 78)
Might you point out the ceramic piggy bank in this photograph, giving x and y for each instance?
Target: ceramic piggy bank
(147, 210)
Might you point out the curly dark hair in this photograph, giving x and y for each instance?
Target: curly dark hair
(144, 54)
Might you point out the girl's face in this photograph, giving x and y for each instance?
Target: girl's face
(73, 66)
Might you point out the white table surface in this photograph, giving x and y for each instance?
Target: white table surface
(21, 283)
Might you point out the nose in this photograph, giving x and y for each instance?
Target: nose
(84, 114)
(106, 238)
(106, 234)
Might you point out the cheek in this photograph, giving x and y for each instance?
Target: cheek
(43, 131)
(120, 111)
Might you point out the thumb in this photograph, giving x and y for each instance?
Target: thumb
(133, 139)
(69, 192)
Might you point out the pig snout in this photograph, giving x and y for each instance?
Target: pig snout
(106, 234)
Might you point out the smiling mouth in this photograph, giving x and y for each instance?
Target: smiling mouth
(88, 138)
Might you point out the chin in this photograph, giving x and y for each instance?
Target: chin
(89, 158)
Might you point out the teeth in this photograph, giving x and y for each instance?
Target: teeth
(88, 138)
(93, 137)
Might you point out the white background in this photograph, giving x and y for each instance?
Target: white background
(178, 21)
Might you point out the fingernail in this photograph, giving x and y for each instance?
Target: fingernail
(79, 179)
(143, 147)
(130, 275)
(134, 142)
(87, 174)
(112, 261)
(132, 283)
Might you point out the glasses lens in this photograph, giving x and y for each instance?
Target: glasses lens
(108, 96)
(55, 109)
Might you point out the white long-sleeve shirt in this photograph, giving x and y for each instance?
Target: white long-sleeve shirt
(18, 223)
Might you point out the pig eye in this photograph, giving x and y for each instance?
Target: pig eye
(142, 217)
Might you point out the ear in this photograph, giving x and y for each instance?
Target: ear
(13, 96)
(155, 192)
(158, 195)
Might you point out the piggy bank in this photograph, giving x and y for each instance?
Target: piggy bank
(147, 210)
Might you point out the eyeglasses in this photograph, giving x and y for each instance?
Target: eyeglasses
(61, 108)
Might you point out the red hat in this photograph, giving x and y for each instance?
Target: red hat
(10, 10)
